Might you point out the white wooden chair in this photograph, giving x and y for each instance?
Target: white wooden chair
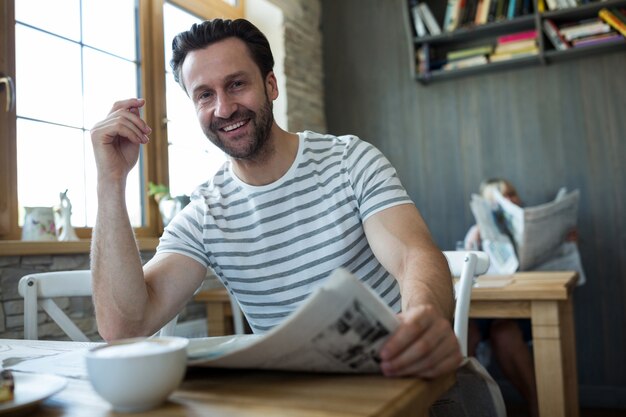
(466, 265)
(475, 388)
(42, 288)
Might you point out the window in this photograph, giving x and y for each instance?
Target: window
(70, 60)
(187, 144)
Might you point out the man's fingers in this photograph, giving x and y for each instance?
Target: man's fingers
(424, 352)
(110, 129)
(130, 108)
(444, 358)
(424, 345)
(131, 103)
(414, 324)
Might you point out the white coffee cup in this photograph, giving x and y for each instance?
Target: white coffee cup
(137, 374)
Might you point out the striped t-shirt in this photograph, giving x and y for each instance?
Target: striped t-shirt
(272, 245)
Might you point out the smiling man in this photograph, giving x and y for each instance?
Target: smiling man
(283, 212)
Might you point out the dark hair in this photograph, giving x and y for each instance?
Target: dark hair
(204, 34)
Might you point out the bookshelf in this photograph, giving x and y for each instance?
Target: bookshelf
(438, 46)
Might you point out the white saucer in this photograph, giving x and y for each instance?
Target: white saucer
(31, 389)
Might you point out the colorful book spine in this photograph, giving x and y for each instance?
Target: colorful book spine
(541, 6)
(423, 59)
(464, 53)
(510, 14)
(449, 21)
(479, 12)
(620, 14)
(609, 18)
(429, 19)
(518, 36)
(598, 39)
(552, 31)
(418, 23)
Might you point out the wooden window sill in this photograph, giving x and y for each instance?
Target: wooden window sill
(20, 247)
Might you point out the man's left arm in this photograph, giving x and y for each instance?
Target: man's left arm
(425, 344)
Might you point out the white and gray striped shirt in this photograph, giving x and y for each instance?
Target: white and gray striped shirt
(272, 245)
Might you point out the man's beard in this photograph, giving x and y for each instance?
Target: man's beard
(254, 147)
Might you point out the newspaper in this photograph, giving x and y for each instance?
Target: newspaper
(340, 328)
(530, 238)
(495, 242)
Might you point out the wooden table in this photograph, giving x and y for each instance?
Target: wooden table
(546, 298)
(219, 312)
(213, 392)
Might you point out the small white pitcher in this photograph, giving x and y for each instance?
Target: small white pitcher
(39, 224)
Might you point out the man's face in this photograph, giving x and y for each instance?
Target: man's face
(233, 102)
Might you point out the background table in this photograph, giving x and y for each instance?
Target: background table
(212, 392)
(546, 299)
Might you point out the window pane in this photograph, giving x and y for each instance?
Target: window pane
(188, 146)
(60, 83)
(110, 26)
(48, 78)
(60, 17)
(133, 189)
(107, 79)
(49, 161)
(175, 20)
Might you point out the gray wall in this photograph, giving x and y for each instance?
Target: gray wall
(540, 127)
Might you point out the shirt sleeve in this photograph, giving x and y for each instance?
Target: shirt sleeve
(184, 234)
(374, 180)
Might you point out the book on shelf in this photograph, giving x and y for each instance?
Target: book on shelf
(501, 9)
(551, 4)
(450, 21)
(468, 52)
(518, 36)
(471, 8)
(418, 23)
(583, 29)
(423, 59)
(510, 13)
(482, 12)
(598, 39)
(471, 61)
(620, 14)
(521, 53)
(541, 6)
(429, 19)
(606, 15)
(553, 34)
(516, 46)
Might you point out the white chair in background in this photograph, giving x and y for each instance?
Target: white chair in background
(42, 288)
(466, 265)
(475, 388)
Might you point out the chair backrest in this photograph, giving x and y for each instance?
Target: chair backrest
(42, 288)
(466, 265)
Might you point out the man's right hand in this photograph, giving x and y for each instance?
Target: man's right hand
(116, 139)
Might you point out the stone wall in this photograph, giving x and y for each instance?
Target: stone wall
(303, 64)
(80, 309)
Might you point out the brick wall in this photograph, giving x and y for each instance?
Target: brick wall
(303, 64)
(80, 309)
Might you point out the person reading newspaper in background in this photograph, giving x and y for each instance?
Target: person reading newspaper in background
(282, 213)
(508, 338)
